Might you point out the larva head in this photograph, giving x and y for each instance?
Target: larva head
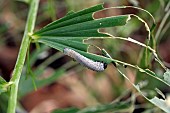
(105, 65)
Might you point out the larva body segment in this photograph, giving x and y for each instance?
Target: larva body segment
(95, 66)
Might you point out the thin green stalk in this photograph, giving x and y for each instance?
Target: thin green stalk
(51, 59)
(22, 56)
(161, 26)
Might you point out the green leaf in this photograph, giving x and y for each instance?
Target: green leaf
(166, 76)
(2, 80)
(26, 86)
(67, 29)
(71, 30)
(4, 85)
(4, 102)
(67, 110)
(72, 18)
(105, 108)
(162, 104)
(25, 1)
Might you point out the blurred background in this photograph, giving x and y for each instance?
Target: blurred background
(63, 83)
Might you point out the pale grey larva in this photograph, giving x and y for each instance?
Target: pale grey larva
(95, 66)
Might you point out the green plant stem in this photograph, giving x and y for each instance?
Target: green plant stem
(22, 56)
(164, 19)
